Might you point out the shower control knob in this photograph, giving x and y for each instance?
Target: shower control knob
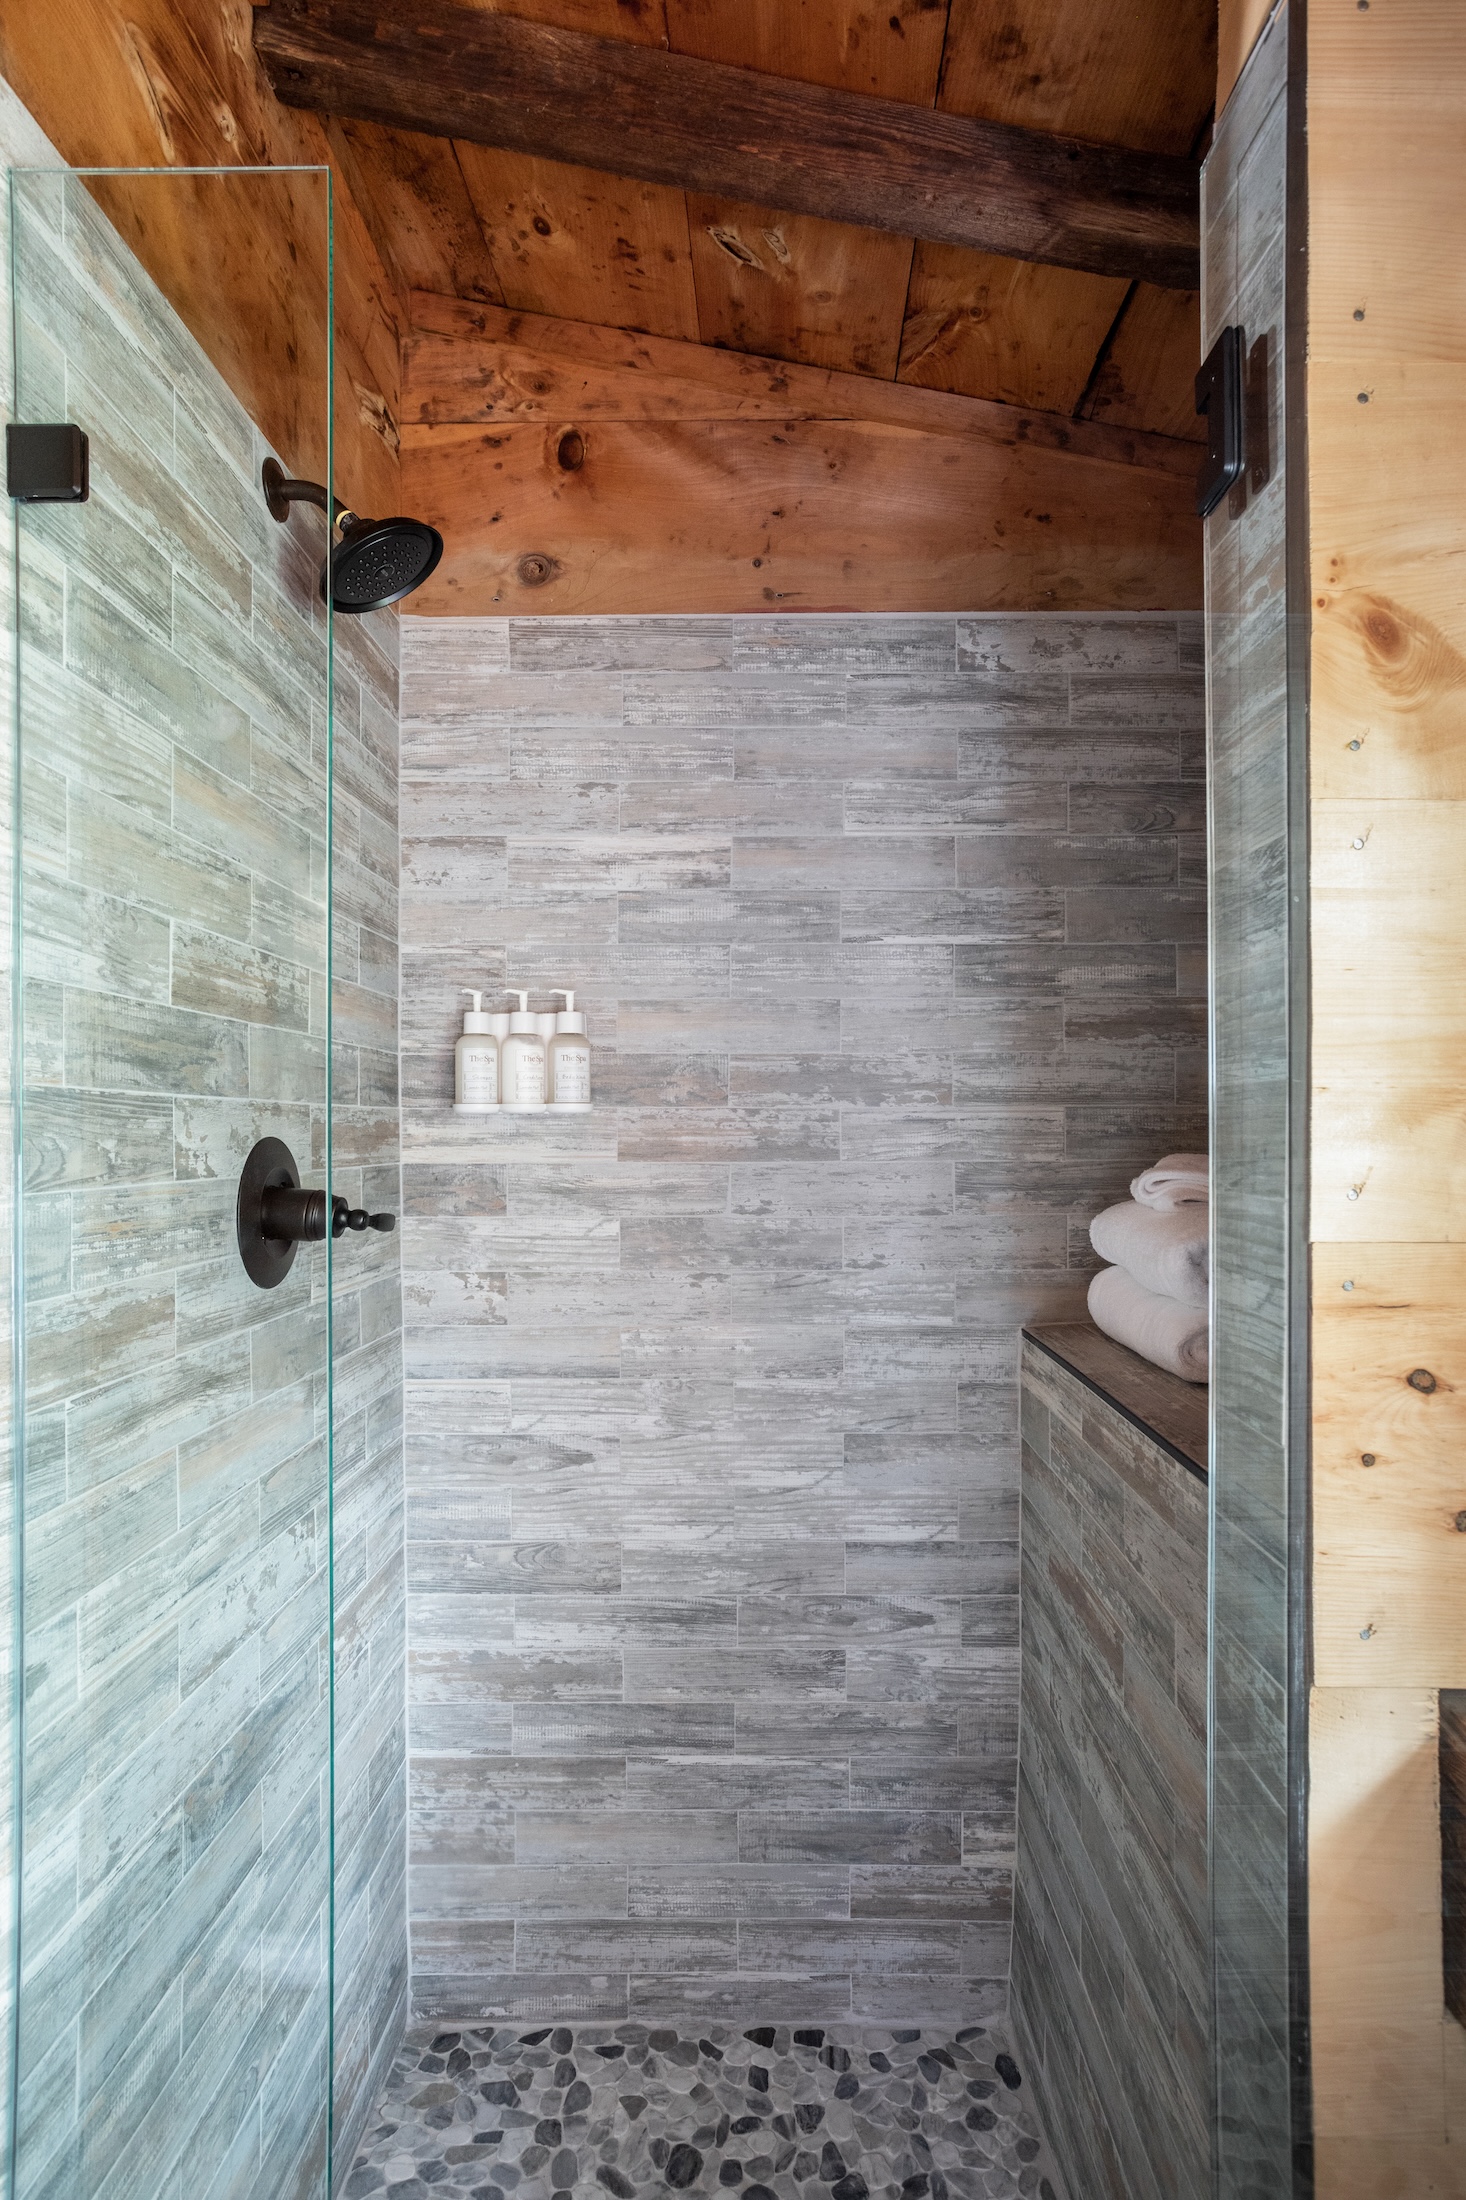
(344, 1217)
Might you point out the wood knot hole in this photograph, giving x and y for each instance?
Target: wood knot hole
(535, 569)
(1420, 1378)
(1366, 1459)
(570, 451)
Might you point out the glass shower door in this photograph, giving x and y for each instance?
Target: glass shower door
(172, 913)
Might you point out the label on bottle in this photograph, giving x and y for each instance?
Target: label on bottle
(479, 1077)
(529, 1075)
(572, 1077)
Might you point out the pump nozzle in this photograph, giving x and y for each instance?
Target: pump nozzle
(521, 997)
(476, 998)
(566, 996)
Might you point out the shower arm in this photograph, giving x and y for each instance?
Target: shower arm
(281, 492)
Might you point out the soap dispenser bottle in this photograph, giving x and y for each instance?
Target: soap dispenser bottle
(567, 1076)
(522, 1068)
(476, 1062)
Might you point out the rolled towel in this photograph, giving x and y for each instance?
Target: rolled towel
(1173, 1337)
(1181, 1180)
(1165, 1251)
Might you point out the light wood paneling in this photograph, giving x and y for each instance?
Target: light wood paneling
(892, 50)
(570, 241)
(790, 287)
(412, 196)
(1005, 329)
(1387, 494)
(174, 83)
(1125, 72)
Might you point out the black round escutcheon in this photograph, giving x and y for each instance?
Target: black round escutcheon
(269, 1168)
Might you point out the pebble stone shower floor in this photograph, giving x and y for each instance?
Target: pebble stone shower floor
(778, 2112)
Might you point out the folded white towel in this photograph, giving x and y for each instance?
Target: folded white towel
(1180, 1180)
(1165, 1251)
(1174, 1337)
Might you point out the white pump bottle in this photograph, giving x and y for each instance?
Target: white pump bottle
(567, 1076)
(476, 1061)
(522, 1059)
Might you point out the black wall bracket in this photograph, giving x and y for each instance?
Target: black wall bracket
(46, 462)
(1219, 395)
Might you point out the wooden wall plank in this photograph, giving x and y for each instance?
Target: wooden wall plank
(572, 241)
(748, 515)
(174, 83)
(1387, 497)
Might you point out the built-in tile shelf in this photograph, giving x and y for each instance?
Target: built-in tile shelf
(1169, 1412)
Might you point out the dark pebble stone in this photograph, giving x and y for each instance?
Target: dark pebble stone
(730, 2172)
(762, 2035)
(578, 2099)
(930, 2069)
(459, 2060)
(661, 2040)
(832, 2162)
(534, 2157)
(760, 2167)
(834, 2058)
(980, 2119)
(904, 2039)
(614, 2182)
(847, 2089)
(747, 2123)
(412, 2188)
(365, 2180)
(633, 2103)
(433, 2062)
(918, 2098)
(564, 2072)
(758, 2192)
(973, 2032)
(919, 2143)
(488, 2138)
(758, 2078)
(547, 2131)
(611, 2050)
(783, 2127)
(981, 2089)
(706, 2047)
(785, 2157)
(500, 2093)
(1026, 2149)
(1046, 2190)
(566, 2167)
(534, 2039)
(507, 2174)
(853, 2187)
(880, 2062)
(805, 2166)
(939, 2185)
(432, 2172)
(809, 2115)
(915, 2188)
(684, 2054)
(563, 2195)
(562, 2040)
(684, 2163)
(659, 2149)
(444, 2041)
(809, 2039)
(704, 2135)
(721, 2134)
(1008, 2071)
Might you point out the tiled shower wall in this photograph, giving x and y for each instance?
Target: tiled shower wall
(890, 932)
(176, 1562)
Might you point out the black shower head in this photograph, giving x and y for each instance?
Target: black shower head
(379, 561)
(373, 562)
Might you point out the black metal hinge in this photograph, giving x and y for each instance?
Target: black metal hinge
(46, 462)
(1219, 396)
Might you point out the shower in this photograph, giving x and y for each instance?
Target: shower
(372, 562)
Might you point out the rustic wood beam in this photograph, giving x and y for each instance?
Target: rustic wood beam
(464, 362)
(459, 72)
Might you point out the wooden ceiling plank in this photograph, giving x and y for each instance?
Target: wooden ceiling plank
(1148, 379)
(892, 49)
(791, 287)
(733, 132)
(1004, 329)
(412, 196)
(478, 364)
(1122, 72)
(573, 241)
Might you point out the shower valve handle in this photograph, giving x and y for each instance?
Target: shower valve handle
(344, 1217)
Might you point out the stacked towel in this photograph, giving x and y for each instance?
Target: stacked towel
(1155, 1297)
(1160, 1330)
(1165, 1249)
(1181, 1180)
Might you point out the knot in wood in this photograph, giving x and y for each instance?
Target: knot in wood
(1420, 1378)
